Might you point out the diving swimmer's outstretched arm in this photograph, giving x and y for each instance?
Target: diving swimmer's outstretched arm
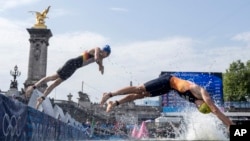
(98, 58)
(197, 90)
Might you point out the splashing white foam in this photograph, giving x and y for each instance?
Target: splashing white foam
(203, 127)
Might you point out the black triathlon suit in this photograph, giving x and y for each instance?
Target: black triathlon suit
(161, 85)
(71, 66)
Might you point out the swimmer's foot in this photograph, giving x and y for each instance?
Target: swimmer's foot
(111, 104)
(105, 97)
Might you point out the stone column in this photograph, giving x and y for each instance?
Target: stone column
(39, 42)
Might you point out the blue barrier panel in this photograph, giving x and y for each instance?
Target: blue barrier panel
(20, 122)
(13, 118)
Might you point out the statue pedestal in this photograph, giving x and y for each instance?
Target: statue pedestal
(39, 26)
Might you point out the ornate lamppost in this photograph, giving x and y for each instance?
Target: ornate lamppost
(15, 74)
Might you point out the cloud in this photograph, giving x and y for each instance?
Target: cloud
(14, 48)
(10, 29)
(8, 4)
(162, 52)
(119, 9)
(242, 37)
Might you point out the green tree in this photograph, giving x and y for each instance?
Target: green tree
(248, 78)
(236, 81)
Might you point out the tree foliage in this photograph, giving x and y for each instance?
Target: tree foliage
(236, 81)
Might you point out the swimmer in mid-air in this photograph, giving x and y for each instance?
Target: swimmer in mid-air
(93, 55)
(163, 84)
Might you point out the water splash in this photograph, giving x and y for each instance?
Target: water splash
(203, 127)
(193, 126)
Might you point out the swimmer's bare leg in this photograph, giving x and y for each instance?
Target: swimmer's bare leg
(128, 98)
(126, 90)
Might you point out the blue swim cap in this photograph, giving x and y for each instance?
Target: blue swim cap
(107, 49)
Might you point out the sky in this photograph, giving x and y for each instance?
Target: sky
(146, 37)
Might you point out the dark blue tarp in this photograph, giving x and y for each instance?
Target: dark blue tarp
(19, 122)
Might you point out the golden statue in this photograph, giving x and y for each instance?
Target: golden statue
(40, 22)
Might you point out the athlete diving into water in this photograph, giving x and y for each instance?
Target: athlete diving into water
(163, 84)
(93, 55)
